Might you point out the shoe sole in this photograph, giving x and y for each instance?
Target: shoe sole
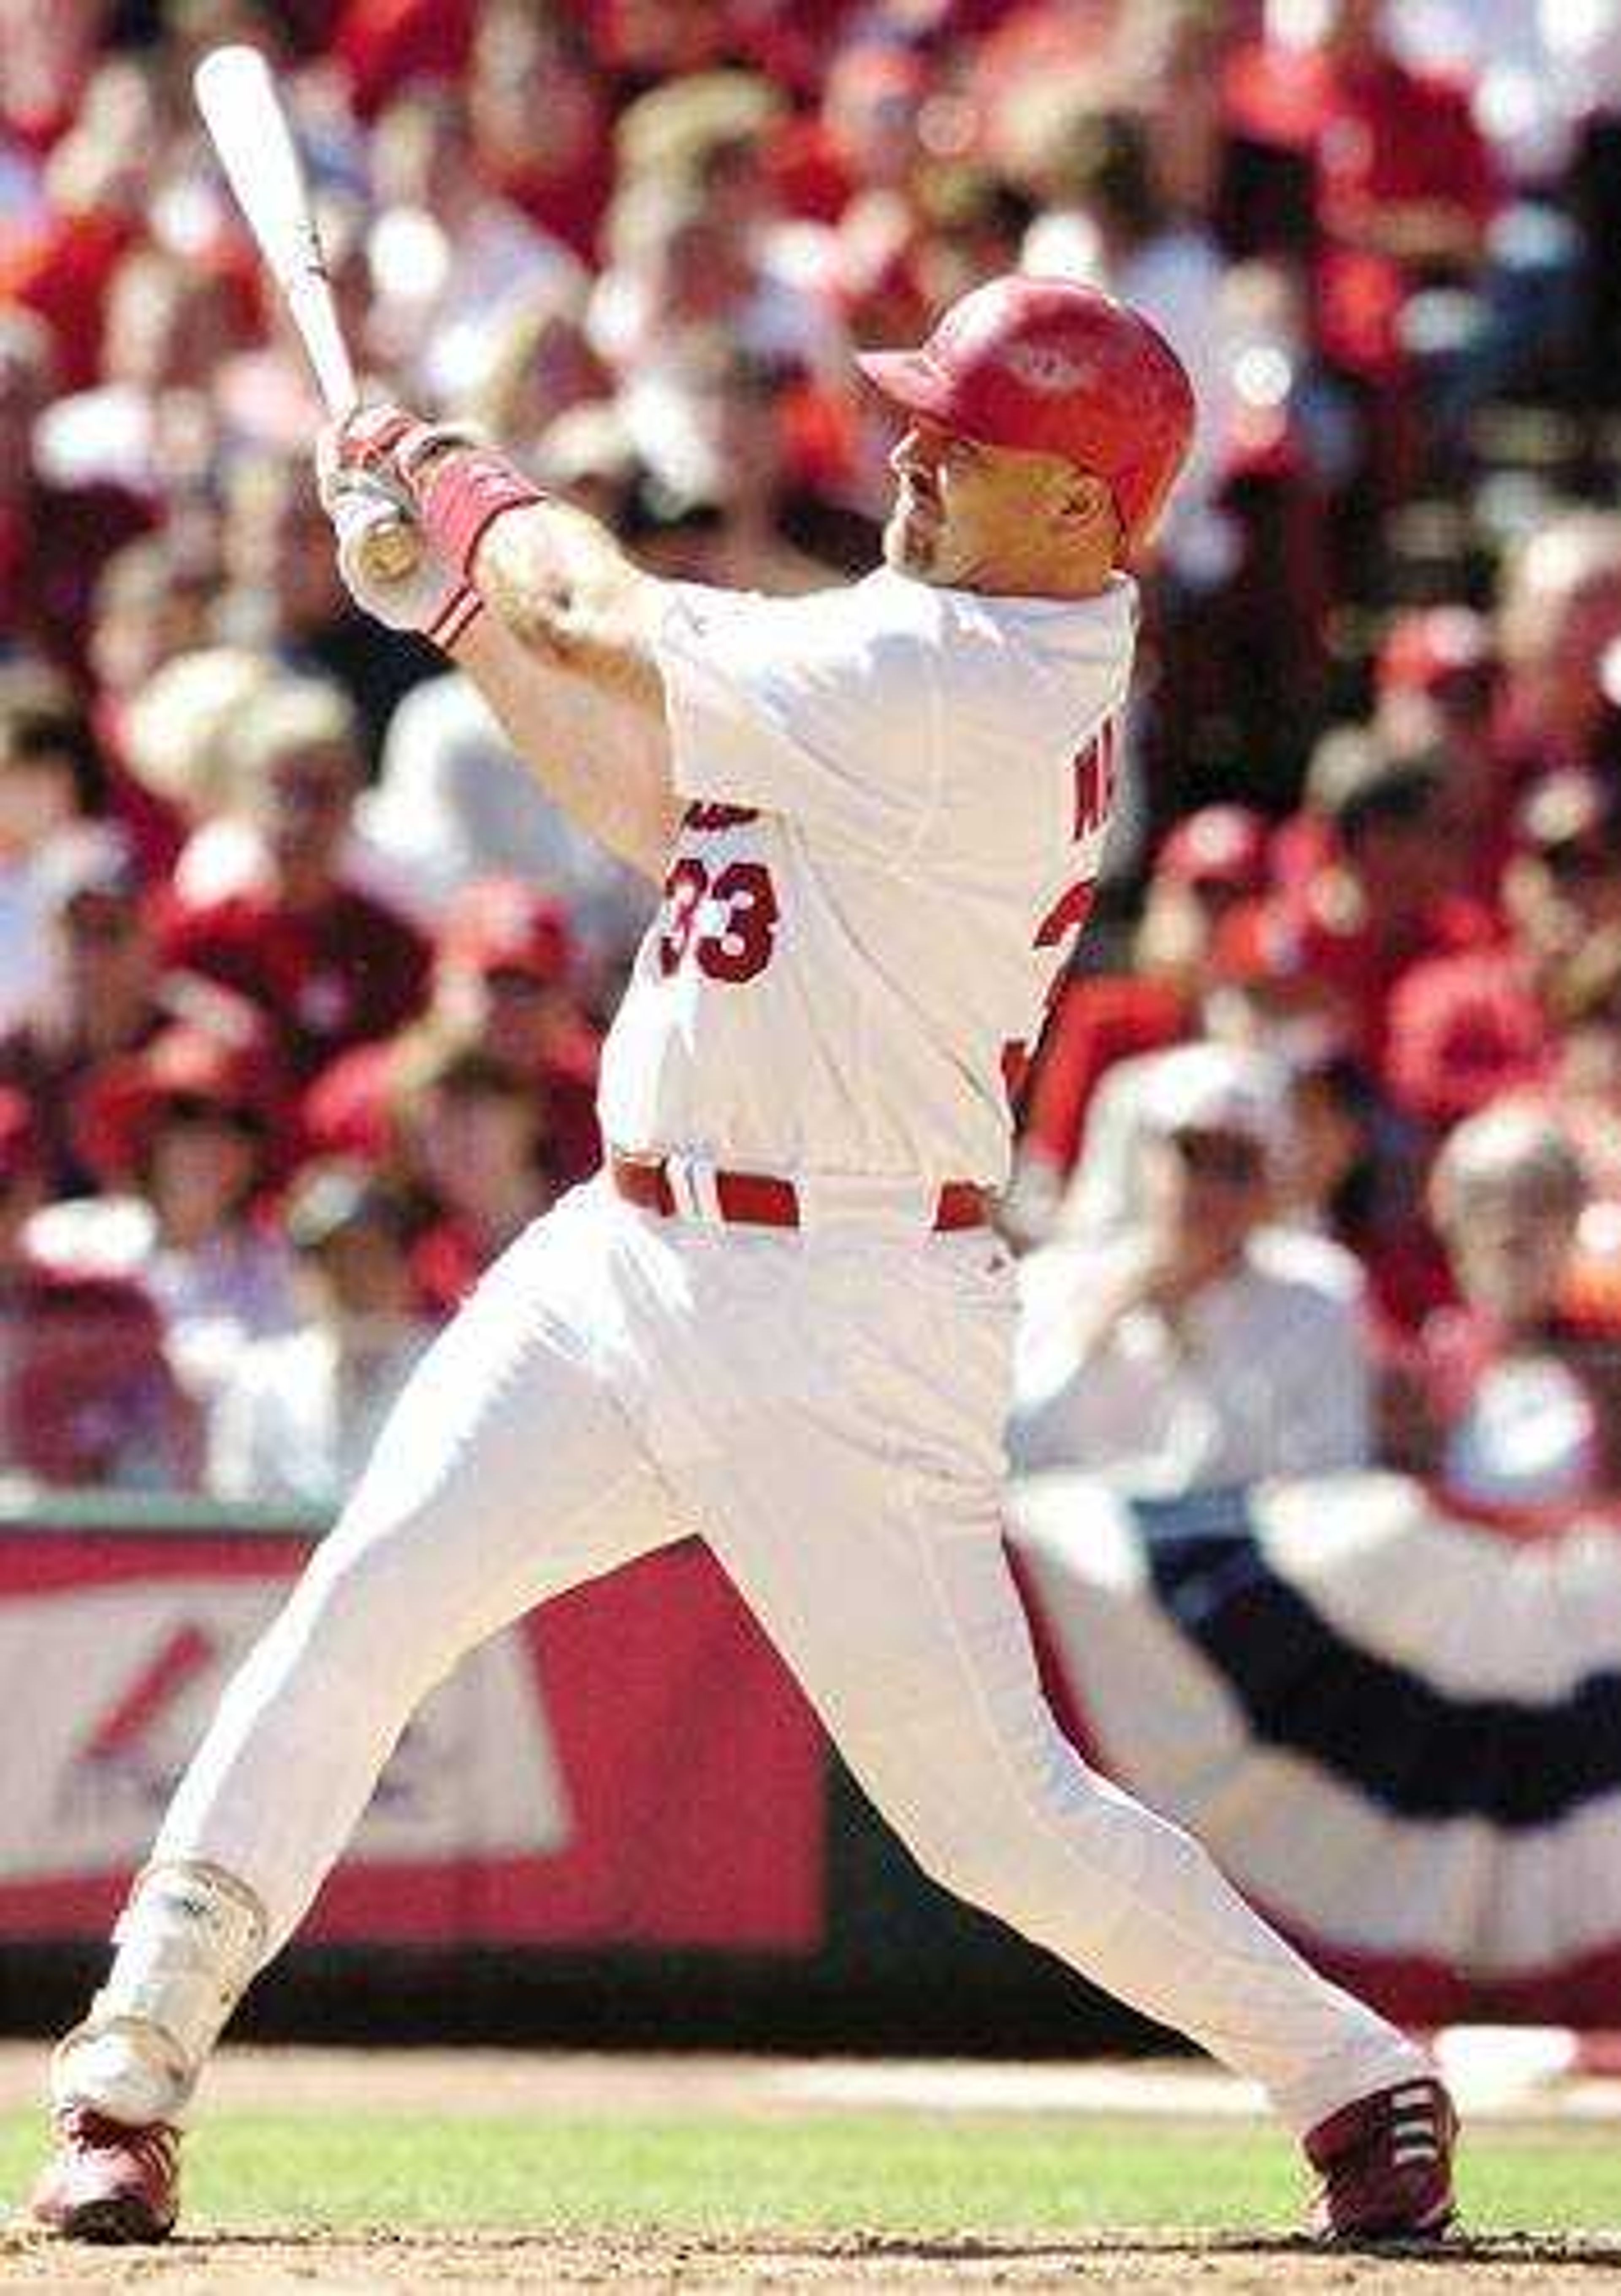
(112, 2224)
(1427, 2231)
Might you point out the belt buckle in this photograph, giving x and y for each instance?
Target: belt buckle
(690, 1181)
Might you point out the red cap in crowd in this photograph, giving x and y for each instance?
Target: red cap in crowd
(1451, 1052)
(502, 925)
(1433, 647)
(1054, 367)
(1220, 845)
(184, 1066)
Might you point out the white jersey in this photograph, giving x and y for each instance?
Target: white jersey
(897, 802)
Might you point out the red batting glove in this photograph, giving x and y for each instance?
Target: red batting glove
(460, 485)
(375, 439)
(362, 495)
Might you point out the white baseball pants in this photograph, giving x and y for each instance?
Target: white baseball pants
(825, 1407)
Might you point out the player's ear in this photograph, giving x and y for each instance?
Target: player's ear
(1086, 506)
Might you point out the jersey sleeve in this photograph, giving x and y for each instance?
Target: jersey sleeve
(813, 708)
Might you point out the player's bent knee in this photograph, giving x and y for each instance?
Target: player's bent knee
(1046, 1844)
(983, 1849)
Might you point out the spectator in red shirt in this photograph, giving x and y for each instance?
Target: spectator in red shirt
(870, 103)
(382, 46)
(506, 976)
(149, 424)
(1405, 184)
(99, 182)
(153, 603)
(1438, 682)
(1402, 190)
(1468, 1028)
(503, 988)
(1389, 893)
(1211, 862)
(328, 966)
(473, 1141)
(104, 997)
(539, 110)
(54, 539)
(86, 1394)
(1437, 685)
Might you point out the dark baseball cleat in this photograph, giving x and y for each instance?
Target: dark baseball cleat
(1385, 2166)
(109, 2183)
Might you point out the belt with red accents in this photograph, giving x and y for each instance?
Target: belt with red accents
(758, 1200)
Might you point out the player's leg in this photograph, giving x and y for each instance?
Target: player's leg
(506, 1473)
(867, 1540)
(892, 1601)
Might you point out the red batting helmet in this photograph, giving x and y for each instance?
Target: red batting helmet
(1058, 368)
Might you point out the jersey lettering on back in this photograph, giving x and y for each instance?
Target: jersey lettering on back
(1096, 771)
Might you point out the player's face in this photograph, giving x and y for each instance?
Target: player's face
(972, 517)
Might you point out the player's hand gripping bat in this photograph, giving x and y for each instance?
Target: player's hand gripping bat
(250, 132)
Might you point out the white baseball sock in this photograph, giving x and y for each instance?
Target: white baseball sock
(188, 1941)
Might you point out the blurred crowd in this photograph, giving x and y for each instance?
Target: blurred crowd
(301, 983)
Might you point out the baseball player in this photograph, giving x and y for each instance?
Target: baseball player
(777, 1318)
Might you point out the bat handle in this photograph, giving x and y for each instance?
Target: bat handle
(391, 550)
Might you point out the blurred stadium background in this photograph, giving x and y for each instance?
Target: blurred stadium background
(1318, 1413)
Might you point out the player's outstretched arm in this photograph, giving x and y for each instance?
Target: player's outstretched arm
(564, 649)
(599, 753)
(559, 581)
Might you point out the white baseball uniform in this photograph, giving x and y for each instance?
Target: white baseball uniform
(897, 795)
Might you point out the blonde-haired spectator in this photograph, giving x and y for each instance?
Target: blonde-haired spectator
(1559, 613)
(1506, 1398)
(177, 724)
(708, 130)
(694, 237)
(327, 963)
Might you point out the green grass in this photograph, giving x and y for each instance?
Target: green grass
(886, 2172)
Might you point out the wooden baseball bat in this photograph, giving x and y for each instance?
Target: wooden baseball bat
(253, 138)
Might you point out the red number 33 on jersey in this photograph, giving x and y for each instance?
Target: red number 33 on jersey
(726, 924)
